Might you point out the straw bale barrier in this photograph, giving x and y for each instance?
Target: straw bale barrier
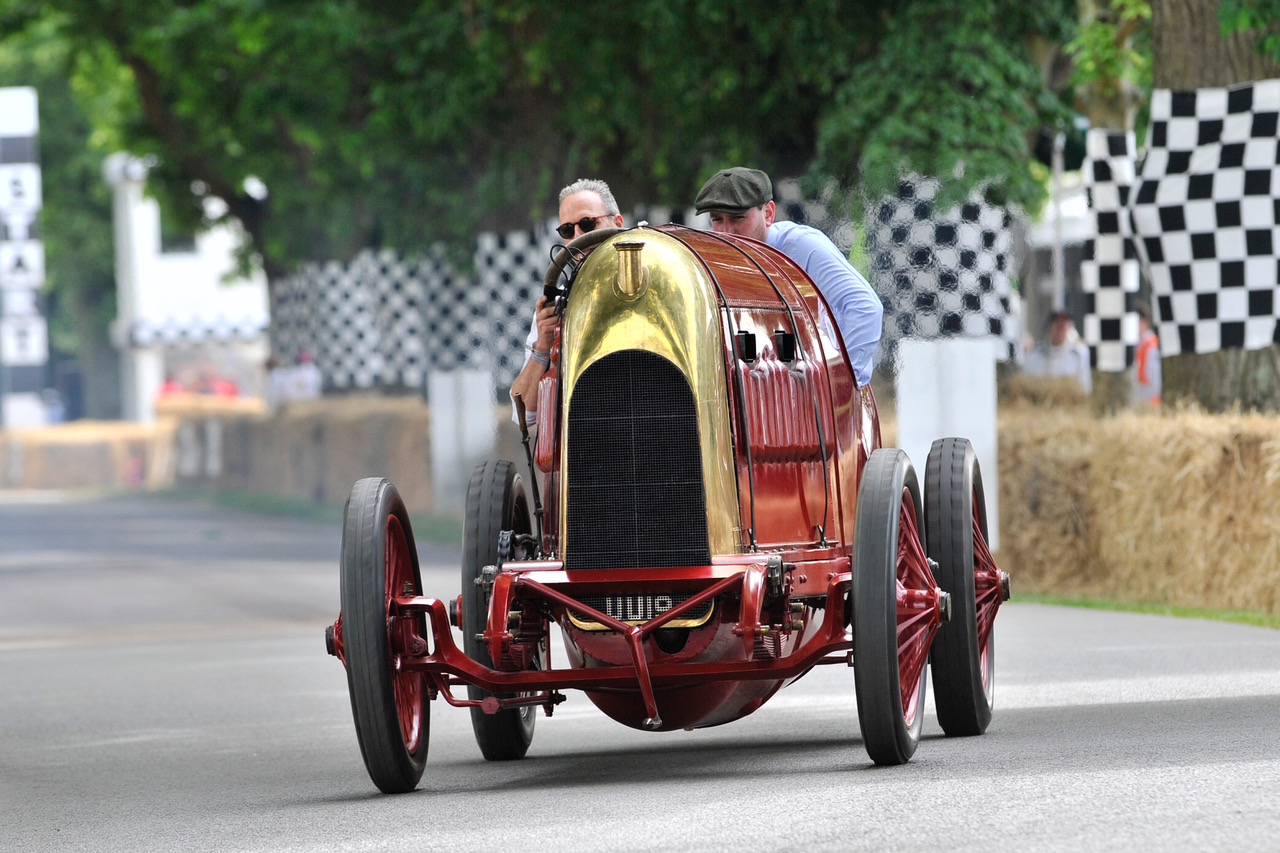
(86, 455)
(309, 450)
(1177, 508)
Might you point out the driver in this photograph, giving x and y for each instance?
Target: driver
(740, 202)
(585, 205)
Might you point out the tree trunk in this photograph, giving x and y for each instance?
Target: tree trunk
(1188, 51)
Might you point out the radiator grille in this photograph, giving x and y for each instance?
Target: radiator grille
(635, 491)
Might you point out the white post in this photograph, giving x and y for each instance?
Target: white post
(142, 373)
(141, 368)
(1059, 274)
(947, 388)
(463, 432)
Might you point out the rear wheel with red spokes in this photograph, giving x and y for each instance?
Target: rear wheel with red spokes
(390, 706)
(963, 658)
(896, 608)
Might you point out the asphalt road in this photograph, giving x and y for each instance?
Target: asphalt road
(164, 687)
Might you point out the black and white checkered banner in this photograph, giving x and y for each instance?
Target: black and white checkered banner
(384, 321)
(1109, 270)
(941, 274)
(1205, 217)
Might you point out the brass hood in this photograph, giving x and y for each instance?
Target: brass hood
(645, 290)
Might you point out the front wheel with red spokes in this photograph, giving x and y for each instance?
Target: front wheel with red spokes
(963, 659)
(379, 562)
(896, 608)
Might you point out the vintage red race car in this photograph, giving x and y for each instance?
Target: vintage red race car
(716, 516)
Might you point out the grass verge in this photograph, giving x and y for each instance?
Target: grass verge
(1243, 617)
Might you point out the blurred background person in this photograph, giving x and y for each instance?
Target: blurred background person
(1144, 376)
(1061, 353)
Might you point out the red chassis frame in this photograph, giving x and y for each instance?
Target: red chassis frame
(813, 572)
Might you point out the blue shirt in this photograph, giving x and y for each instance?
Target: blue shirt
(858, 312)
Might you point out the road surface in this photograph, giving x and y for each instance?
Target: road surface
(164, 687)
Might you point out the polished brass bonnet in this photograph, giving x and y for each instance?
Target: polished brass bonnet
(645, 290)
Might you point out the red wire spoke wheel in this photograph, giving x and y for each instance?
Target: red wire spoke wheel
(379, 562)
(963, 658)
(895, 608)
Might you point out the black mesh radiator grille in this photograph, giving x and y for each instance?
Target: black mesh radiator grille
(636, 496)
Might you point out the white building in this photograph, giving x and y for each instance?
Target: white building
(179, 315)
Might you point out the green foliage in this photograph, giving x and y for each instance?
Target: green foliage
(1112, 49)
(405, 122)
(1259, 17)
(958, 101)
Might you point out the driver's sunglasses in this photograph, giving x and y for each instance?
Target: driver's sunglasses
(586, 223)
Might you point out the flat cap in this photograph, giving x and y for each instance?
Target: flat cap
(735, 190)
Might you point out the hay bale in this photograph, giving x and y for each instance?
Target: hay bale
(1022, 390)
(184, 406)
(1181, 508)
(86, 454)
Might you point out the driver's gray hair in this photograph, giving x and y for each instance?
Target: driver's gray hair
(600, 188)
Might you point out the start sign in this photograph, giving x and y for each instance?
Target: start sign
(24, 334)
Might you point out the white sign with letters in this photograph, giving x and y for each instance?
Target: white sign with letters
(19, 303)
(21, 264)
(24, 341)
(19, 188)
(16, 226)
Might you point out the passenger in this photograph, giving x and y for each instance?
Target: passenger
(585, 205)
(740, 202)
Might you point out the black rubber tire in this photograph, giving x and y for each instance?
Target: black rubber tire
(383, 703)
(953, 484)
(890, 738)
(496, 501)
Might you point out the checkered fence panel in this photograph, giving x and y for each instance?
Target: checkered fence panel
(1205, 215)
(1109, 271)
(941, 274)
(384, 321)
(818, 211)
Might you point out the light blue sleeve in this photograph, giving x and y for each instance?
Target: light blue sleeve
(856, 307)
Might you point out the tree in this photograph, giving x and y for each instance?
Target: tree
(402, 123)
(960, 102)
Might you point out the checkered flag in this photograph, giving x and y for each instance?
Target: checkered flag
(1109, 271)
(940, 274)
(1205, 216)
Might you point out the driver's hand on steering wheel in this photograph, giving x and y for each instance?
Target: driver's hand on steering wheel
(547, 322)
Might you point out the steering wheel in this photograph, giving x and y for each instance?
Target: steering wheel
(565, 253)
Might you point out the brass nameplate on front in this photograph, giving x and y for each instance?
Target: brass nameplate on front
(638, 609)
